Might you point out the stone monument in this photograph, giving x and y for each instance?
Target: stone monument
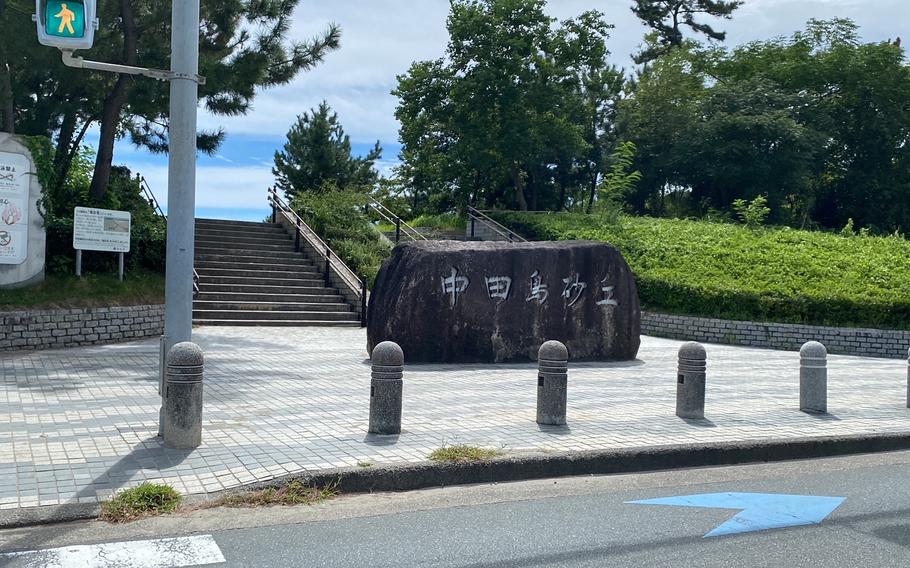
(22, 233)
(490, 302)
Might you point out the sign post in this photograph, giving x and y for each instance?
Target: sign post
(101, 230)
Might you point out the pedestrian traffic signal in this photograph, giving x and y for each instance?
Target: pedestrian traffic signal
(66, 24)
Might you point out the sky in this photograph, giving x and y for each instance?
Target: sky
(380, 40)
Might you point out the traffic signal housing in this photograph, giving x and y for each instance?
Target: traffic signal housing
(66, 24)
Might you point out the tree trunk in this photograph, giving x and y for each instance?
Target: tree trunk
(592, 192)
(113, 105)
(7, 106)
(518, 180)
(6, 94)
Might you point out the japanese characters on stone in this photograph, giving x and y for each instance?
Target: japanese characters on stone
(500, 289)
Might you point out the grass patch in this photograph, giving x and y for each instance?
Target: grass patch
(443, 222)
(461, 453)
(294, 493)
(364, 464)
(92, 291)
(728, 271)
(145, 500)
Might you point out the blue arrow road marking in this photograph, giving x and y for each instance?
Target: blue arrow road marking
(758, 511)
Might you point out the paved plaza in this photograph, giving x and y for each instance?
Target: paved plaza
(79, 424)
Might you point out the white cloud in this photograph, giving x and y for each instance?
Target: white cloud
(219, 187)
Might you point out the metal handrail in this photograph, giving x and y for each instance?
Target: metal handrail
(477, 215)
(332, 260)
(153, 202)
(400, 225)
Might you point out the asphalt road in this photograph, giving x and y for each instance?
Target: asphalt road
(578, 522)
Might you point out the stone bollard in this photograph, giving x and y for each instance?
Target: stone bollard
(690, 381)
(385, 389)
(552, 383)
(813, 378)
(183, 397)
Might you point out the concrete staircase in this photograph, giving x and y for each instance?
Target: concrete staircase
(249, 275)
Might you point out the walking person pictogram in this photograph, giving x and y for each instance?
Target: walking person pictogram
(66, 19)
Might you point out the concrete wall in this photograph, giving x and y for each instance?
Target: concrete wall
(53, 329)
(790, 337)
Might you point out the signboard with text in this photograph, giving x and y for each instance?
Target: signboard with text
(101, 230)
(14, 187)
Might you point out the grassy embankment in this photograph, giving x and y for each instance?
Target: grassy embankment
(94, 290)
(728, 271)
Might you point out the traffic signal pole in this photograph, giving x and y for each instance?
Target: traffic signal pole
(181, 202)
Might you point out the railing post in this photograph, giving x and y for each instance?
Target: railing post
(328, 276)
(297, 238)
(274, 204)
(397, 229)
(473, 222)
(363, 301)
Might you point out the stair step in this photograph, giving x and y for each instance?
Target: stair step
(258, 266)
(221, 285)
(266, 233)
(254, 306)
(232, 251)
(274, 323)
(254, 246)
(252, 229)
(232, 223)
(244, 297)
(205, 314)
(289, 274)
(259, 282)
(289, 258)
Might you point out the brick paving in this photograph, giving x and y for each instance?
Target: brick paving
(79, 424)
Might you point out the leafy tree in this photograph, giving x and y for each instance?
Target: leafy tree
(666, 18)
(517, 114)
(244, 47)
(318, 153)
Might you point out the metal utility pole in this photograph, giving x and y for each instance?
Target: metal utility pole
(181, 202)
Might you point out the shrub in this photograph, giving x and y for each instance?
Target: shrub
(338, 217)
(728, 271)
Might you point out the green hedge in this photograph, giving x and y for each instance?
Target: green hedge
(728, 271)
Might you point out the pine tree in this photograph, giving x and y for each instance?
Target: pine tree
(666, 17)
(317, 155)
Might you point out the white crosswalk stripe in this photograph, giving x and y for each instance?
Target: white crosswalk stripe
(159, 553)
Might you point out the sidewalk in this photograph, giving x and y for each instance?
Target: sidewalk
(77, 425)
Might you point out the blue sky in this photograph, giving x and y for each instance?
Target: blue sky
(380, 39)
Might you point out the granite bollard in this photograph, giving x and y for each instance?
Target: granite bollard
(813, 378)
(552, 383)
(386, 388)
(183, 397)
(690, 381)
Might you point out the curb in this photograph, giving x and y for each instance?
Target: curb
(425, 475)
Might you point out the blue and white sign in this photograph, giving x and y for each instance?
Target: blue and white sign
(757, 511)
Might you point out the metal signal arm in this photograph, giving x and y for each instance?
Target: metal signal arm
(71, 60)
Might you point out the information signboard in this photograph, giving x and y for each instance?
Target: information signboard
(101, 230)
(14, 186)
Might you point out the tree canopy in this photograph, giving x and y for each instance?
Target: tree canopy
(517, 114)
(318, 154)
(818, 123)
(666, 18)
